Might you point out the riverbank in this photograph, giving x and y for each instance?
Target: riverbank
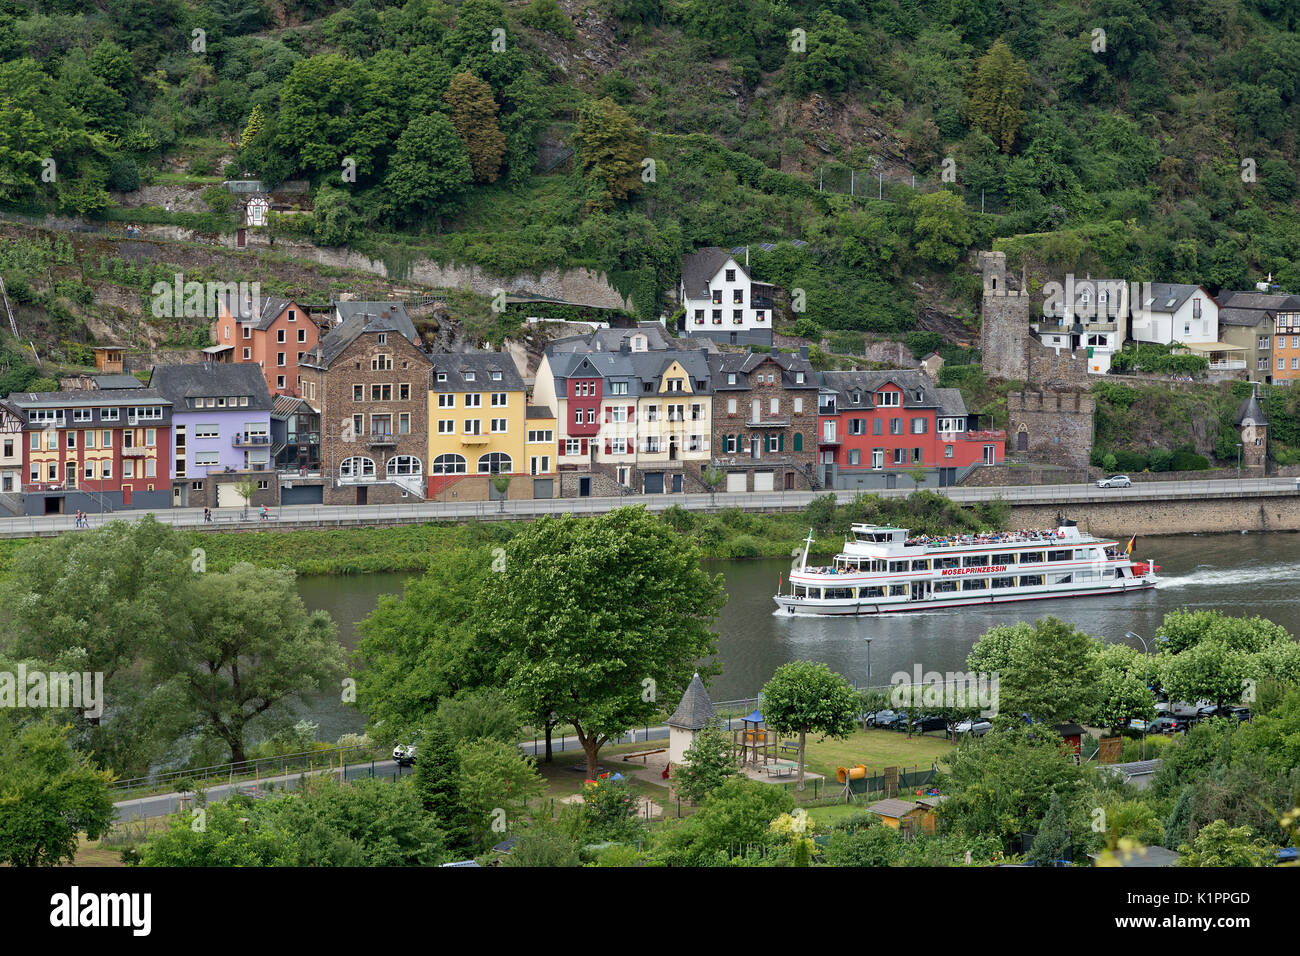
(728, 534)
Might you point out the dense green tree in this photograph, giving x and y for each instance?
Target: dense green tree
(1052, 841)
(248, 648)
(437, 776)
(996, 93)
(1222, 845)
(611, 149)
(475, 714)
(806, 697)
(429, 170)
(1046, 670)
(941, 226)
(423, 647)
(474, 115)
(49, 794)
(495, 782)
(707, 764)
(542, 846)
(599, 620)
(731, 819)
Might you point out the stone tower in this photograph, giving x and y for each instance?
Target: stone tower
(1004, 322)
(1254, 435)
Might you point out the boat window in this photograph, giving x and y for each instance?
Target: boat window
(975, 584)
(815, 593)
(976, 561)
(921, 565)
(897, 565)
(1030, 580)
(898, 590)
(871, 592)
(1031, 557)
(1058, 555)
(1083, 554)
(947, 562)
(946, 584)
(838, 594)
(800, 591)
(1004, 582)
(1063, 579)
(1008, 558)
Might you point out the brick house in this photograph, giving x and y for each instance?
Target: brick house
(764, 420)
(372, 378)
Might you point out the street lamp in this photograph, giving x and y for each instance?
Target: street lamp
(1146, 679)
(1238, 466)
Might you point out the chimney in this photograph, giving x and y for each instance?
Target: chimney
(747, 257)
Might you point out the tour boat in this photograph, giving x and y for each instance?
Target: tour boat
(884, 571)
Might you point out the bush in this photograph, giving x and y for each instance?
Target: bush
(124, 175)
(1130, 461)
(821, 512)
(547, 16)
(921, 343)
(1187, 460)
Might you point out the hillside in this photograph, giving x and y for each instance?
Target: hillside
(616, 134)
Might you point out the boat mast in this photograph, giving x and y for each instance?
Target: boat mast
(806, 545)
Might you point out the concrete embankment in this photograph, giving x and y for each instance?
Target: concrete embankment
(1121, 518)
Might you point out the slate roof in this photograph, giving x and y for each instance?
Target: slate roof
(636, 368)
(699, 268)
(181, 383)
(1250, 409)
(539, 412)
(268, 308)
(695, 709)
(1245, 317)
(483, 365)
(396, 311)
(1092, 288)
(610, 340)
(359, 322)
(766, 246)
(1258, 301)
(89, 396)
(743, 364)
(116, 381)
(1166, 296)
(918, 390)
(954, 406)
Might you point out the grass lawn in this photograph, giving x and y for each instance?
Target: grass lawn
(877, 749)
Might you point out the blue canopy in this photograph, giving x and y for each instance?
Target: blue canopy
(756, 717)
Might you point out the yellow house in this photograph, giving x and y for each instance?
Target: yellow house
(477, 417)
(540, 449)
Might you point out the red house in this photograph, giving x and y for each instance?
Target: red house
(875, 426)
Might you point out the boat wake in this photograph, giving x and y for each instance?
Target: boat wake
(1217, 577)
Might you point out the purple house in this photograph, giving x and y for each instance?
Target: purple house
(221, 434)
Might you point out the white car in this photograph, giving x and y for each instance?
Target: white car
(404, 754)
(1114, 481)
(979, 727)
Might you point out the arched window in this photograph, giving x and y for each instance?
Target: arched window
(449, 465)
(798, 441)
(495, 463)
(357, 468)
(404, 465)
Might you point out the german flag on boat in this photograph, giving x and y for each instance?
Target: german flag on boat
(1132, 543)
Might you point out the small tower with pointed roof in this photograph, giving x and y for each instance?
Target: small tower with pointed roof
(694, 713)
(1254, 435)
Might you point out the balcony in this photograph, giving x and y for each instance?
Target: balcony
(381, 440)
(475, 439)
(828, 438)
(985, 436)
(781, 422)
(247, 440)
(1231, 366)
(136, 451)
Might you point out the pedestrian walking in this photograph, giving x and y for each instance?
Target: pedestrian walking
(207, 516)
(264, 512)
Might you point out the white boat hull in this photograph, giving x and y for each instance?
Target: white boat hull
(858, 607)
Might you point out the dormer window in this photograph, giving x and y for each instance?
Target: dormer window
(469, 376)
(496, 376)
(856, 397)
(383, 338)
(442, 376)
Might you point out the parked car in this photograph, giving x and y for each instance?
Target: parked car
(900, 721)
(979, 727)
(404, 754)
(1114, 481)
(1140, 725)
(1167, 724)
(928, 722)
(883, 718)
(1228, 712)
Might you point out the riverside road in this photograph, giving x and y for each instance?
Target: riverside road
(320, 516)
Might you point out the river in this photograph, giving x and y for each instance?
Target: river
(1241, 574)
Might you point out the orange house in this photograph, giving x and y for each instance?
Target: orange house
(275, 336)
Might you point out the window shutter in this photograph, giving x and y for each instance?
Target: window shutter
(609, 446)
(609, 413)
(631, 413)
(780, 443)
(584, 447)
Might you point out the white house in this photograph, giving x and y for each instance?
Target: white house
(722, 302)
(1167, 312)
(1085, 313)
